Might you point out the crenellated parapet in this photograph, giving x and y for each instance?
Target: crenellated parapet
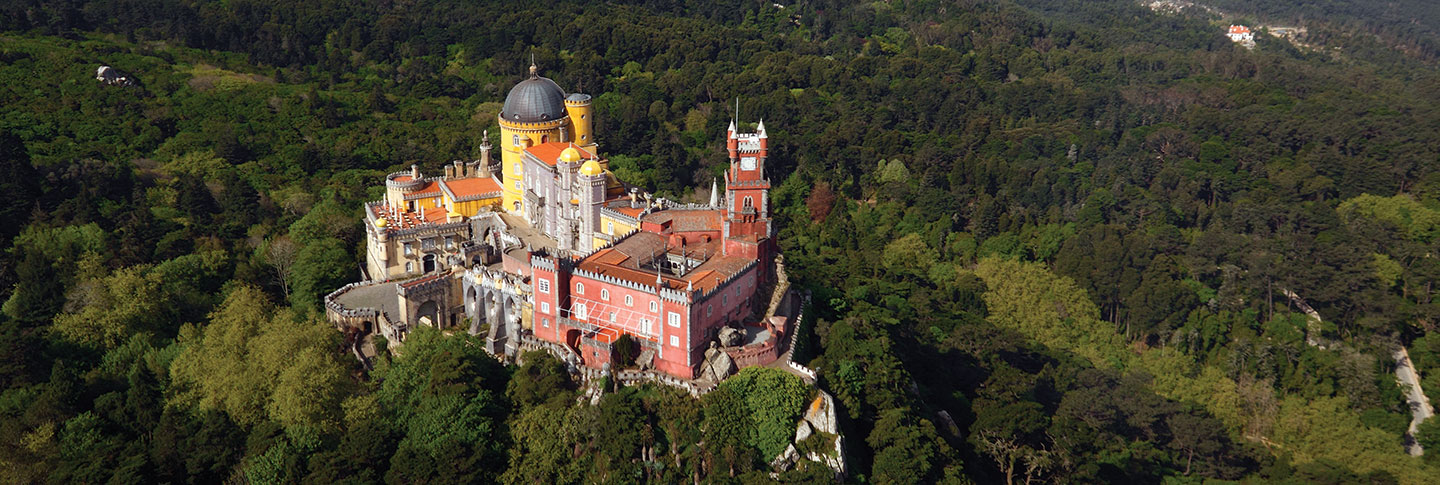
(403, 181)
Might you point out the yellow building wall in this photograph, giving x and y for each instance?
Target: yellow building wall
(429, 202)
(621, 227)
(472, 207)
(510, 153)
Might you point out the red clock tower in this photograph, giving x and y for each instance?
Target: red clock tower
(747, 227)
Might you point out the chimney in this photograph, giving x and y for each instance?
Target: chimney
(415, 172)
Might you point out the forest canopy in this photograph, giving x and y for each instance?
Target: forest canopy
(1043, 240)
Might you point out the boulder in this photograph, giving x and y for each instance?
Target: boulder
(731, 337)
(803, 431)
(821, 414)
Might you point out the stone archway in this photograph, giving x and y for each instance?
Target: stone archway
(495, 314)
(429, 312)
(472, 305)
(572, 340)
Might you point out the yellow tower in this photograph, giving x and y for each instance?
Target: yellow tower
(535, 112)
(581, 121)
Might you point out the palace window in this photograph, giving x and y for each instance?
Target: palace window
(654, 307)
(409, 267)
(545, 322)
(544, 307)
(579, 311)
(449, 242)
(612, 317)
(749, 202)
(409, 249)
(629, 301)
(674, 319)
(544, 285)
(674, 341)
(610, 228)
(709, 310)
(604, 294)
(427, 243)
(579, 288)
(645, 324)
(517, 140)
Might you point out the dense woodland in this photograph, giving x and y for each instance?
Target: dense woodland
(1046, 240)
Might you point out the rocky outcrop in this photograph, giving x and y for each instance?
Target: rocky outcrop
(731, 337)
(717, 365)
(818, 423)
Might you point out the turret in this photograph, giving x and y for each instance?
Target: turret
(582, 122)
(483, 168)
(592, 197)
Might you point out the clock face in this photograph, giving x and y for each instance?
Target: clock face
(747, 163)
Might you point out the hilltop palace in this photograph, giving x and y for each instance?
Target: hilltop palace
(544, 248)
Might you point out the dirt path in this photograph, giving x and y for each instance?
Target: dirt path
(1420, 408)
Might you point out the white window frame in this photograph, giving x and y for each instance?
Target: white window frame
(579, 288)
(675, 319)
(629, 300)
(674, 341)
(580, 312)
(645, 323)
(544, 285)
(544, 307)
(516, 139)
(612, 317)
(605, 294)
(654, 306)
(545, 322)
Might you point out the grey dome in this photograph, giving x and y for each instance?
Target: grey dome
(534, 100)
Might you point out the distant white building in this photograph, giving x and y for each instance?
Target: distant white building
(1242, 35)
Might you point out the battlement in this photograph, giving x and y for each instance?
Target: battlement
(403, 181)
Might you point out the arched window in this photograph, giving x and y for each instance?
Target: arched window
(604, 294)
(654, 307)
(517, 140)
(749, 202)
(629, 301)
(409, 267)
(579, 288)
(544, 138)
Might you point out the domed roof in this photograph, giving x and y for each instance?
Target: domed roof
(534, 100)
(570, 155)
(591, 168)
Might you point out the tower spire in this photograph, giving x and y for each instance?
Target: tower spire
(714, 192)
(533, 69)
